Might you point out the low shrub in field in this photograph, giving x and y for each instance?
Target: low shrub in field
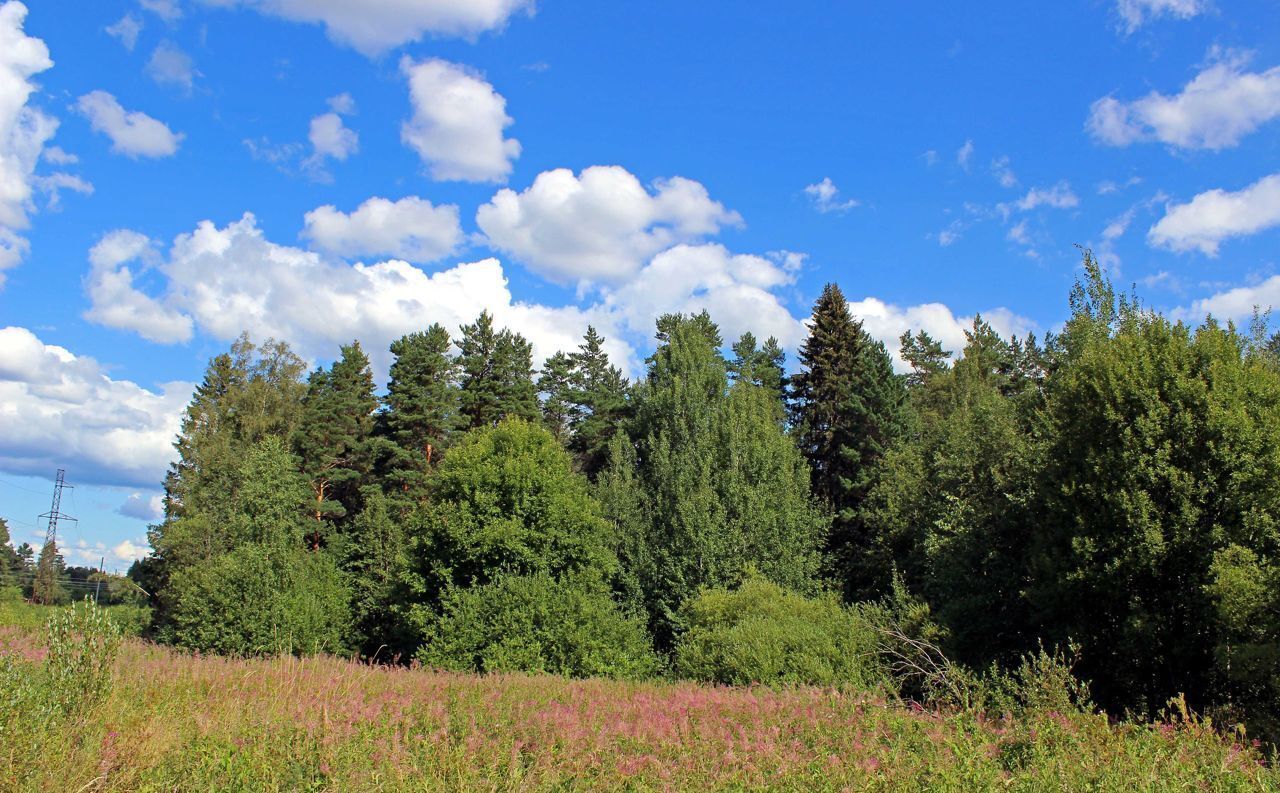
(536, 623)
(762, 633)
(83, 642)
(262, 600)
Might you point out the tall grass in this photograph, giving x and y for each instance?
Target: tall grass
(174, 721)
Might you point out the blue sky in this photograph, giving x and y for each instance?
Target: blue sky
(175, 171)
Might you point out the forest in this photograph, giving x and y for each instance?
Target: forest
(1097, 510)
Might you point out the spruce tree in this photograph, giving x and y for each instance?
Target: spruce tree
(848, 408)
(375, 560)
(422, 407)
(599, 403)
(333, 441)
(760, 366)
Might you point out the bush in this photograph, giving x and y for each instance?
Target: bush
(762, 633)
(538, 624)
(262, 600)
(83, 642)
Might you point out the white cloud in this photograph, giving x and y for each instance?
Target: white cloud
(1218, 108)
(58, 409)
(600, 226)
(1215, 215)
(131, 132)
(1003, 173)
(56, 156)
(965, 154)
(458, 122)
(116, 303)
(169, 65)
(126, 29)
(1136, 13)
(168, 10)
(130, 551)
(342, 104)
(1059, 196)
(887, 322)
(53, 185)
(1237, 303)
(824, 196)
(411, 229)
(737, 290)
(226, 280)
(331, 138)
(375, 26)
(23, 130)
(1019, 233)
(142, 507)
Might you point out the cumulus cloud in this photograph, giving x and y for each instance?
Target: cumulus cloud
(132, 133)
(56, 406)
(965, 154)
(53, 185)
(1216, 110)
(116, 303)
(458, 122)
(1136, 13)
(825, 197)
(599, 226)
(375, 26)
(126, 30)
(56, 156)
(222, 281)
(24, 130)
(411, 229)
(169, 65)
(737, 290)
(331, 138)
(1216, 215)
(887, 322)
(1236, 303)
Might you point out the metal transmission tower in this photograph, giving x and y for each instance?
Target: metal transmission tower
(55, 514)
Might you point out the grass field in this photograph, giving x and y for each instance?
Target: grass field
(174, 721)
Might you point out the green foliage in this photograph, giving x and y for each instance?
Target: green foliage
(848, 409)
(262, 600)
(506, 501)
(496, 375)
(762, 633)
(376, 560)
(537, 623)
(422, 407)
(597, 401)
(556, 386)
(1245, 591)
(710, 482)
(46, 587)
(82, 645)
(334, 439)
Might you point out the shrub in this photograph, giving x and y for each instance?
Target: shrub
(262, 600)
(83, 642)
(538, 624)
(762, 633)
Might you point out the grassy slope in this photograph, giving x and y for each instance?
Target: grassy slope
(174, 721)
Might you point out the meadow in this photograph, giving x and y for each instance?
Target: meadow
(171, 720)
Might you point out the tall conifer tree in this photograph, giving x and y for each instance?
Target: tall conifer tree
(848, 408)
(422, 406)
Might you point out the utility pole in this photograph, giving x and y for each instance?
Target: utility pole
(55, 514)
(98, 588)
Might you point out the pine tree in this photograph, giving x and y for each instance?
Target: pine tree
(422, 407)
(599, 403)
(848, 409)
(556, 386)
(333, 440)
(926, 356)
(496, 375)
(760, 366)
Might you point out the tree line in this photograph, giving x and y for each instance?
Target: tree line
(1113, 489)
